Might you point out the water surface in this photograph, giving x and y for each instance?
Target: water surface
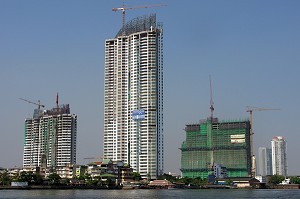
(150, 194)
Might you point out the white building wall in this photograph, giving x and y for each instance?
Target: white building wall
(262, 161)
(53, 136)
(279, 159)
(133, 81)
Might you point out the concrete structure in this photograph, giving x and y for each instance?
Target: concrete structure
(220, 171)
(133, 103)
(279, 158)
(122, 172)
(211, 142)
(50, 138)
(264, 161)
(262, 179)
(66, 172)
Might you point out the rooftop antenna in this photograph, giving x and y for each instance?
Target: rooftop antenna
(211, 101)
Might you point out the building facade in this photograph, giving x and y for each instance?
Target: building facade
(50, 138)
(133, 103)
(264, 161)
(279, 158)
(209, 143)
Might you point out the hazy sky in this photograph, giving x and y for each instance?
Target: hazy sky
(250, 48)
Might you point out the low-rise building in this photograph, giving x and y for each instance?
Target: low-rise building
(66, 172)
(262, 179)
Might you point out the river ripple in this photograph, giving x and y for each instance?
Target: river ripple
(150, 194)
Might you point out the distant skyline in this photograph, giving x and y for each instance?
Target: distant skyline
(250, 49)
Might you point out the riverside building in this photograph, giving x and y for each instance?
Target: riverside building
(133, 102)
(211, 142)
(50, 138)
(279, 159)
(264, 161)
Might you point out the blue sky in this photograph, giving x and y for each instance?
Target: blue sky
(250, 49)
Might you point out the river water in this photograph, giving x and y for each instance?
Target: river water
(151, 194)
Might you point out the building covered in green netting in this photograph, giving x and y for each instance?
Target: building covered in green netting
(211, 142)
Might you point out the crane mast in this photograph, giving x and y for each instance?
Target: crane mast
(211, 101)
(250, 109)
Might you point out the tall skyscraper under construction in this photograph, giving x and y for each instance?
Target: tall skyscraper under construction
(210, 142)
(50, 138)
(133, 103)
(279, 157)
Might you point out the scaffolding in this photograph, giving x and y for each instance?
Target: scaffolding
(212, 142)
(61, 109)
(139, 24)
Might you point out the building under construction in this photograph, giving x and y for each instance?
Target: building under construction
(211, 142)
(50, 138)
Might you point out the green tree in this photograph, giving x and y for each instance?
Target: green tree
(5, 178)
(295, 180)
(98, 181)
(28, 176)
(88, 178)
(275, 179)
(167, 177)
(196, 181)
(228, 182)
(204, 181)
(185, 180)
(54, 178)
(136, 176)
(110, 182)
(38, 179)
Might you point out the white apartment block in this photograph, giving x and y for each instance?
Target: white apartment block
(264, 161)
(279, 158)
(133, 102)
(50, 138)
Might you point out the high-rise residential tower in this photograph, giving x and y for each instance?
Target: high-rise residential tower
(133, 102)
(264, 161)
(279, 158)
(50, 138)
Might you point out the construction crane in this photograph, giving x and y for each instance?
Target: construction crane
(211, 101)
(250, 109)
(123, 8)
(39, 103)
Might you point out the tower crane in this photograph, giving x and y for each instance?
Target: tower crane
(211, 102)
(123, 8)
(250, 109)
(39, 103)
